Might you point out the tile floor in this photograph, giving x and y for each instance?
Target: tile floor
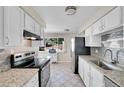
(62, 76)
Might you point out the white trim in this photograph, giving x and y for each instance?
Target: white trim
(63, 61)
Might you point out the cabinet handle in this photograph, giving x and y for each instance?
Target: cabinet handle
(7, 40)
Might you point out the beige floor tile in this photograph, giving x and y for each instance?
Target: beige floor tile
(62, 76)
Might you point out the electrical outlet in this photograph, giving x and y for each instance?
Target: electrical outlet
(96, 51)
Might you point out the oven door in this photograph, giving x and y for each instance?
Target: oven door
(45, 75)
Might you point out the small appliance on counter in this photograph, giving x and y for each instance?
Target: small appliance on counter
(29, 60)
(53, 54)
(41, 48)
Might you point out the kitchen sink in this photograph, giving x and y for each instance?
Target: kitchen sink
(101, 64)
(106, 65)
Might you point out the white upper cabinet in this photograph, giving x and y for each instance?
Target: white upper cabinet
(29, 23)
(97, 28)
(90, 39)
(1, 26)
(37, 31)
(13, 26)
(110, 21)
(113, 19)
(37, 28)
(101, 25)
(43, 37)
(87, 37)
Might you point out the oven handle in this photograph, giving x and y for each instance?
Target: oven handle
(46, 66)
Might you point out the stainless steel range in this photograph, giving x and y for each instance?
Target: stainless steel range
(29, 60)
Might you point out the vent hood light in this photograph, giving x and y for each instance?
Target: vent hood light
(30, 36)
(33, 38)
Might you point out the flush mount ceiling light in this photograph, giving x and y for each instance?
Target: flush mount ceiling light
(70, 10)
(67, 30)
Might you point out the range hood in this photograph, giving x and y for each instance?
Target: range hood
(30, 36)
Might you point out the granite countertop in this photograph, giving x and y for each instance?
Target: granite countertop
(115, 76)
(16, 77)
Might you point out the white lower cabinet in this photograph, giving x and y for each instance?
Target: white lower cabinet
(81, 68)
(86, 74)
(90, 75)
(33, 82)
(96, 78)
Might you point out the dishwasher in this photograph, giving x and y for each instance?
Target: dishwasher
(109, 82)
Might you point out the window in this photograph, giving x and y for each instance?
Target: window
(56, 43)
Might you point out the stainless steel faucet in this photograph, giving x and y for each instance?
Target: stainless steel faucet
(113, 61)
(117, 54)
(109, 51)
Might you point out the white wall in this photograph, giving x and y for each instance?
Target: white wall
(64, 56)
(1, 26)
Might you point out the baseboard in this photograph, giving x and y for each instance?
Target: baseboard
(63, 61)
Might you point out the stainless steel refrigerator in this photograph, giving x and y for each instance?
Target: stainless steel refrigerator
(78, 48)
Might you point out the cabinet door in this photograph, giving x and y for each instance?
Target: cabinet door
(86, 73)
(37, 28)
(37, 31)
(92, 40)
(13, 26)
(29, 23)
(81, 68)
(96, 78)
(1, 26)
(113, 19)
(42, 36)
(88, 37)
(96, 27)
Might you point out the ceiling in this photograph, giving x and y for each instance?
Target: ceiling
(57, 20)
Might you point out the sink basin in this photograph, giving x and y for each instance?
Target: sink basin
(106, 65)
(100, 64)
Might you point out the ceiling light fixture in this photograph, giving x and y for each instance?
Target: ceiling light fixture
(70, 10)
(66, 30)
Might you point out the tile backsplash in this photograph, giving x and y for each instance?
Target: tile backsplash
(99, 52)
(112, 40)
(5, 56)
